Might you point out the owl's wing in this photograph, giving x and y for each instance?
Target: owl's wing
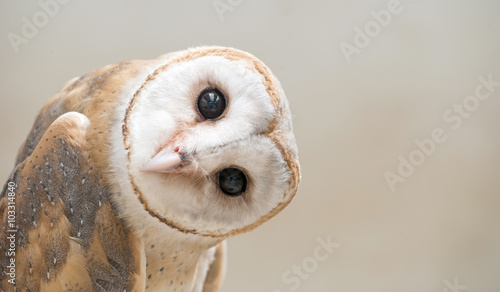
(217, 269)
(58, 228)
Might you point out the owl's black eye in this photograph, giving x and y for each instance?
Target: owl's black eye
(232, 181)
(211, 103)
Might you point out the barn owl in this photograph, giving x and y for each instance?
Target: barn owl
(133, 176)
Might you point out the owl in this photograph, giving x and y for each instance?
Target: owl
(133, 176)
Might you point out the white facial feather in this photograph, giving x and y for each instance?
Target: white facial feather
(166, 111)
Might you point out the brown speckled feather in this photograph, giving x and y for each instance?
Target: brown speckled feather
(68, 237)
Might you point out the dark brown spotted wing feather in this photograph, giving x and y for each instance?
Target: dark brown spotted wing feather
(67, 236)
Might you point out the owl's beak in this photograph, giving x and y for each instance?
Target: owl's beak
(166, 160)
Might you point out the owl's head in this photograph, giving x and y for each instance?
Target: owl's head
(208, 143)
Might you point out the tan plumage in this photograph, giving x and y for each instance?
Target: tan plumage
(69, 236)
(76, 208)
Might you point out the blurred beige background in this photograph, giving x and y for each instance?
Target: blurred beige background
(438, 230)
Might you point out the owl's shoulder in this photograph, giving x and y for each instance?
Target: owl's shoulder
(65, 229)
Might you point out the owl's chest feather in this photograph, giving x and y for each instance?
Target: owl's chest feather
(176, 266)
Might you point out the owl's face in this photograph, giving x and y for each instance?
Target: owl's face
(208, 142)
